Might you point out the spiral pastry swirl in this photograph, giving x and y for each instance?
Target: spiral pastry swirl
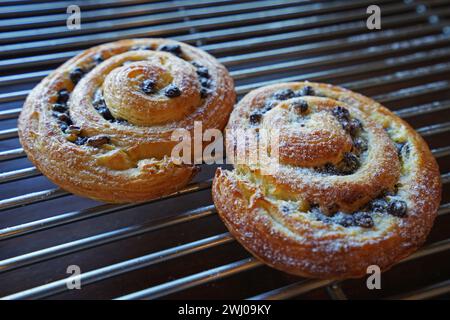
(354, 184)
(101, 124)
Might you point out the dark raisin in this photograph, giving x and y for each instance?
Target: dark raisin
(283, 94)
(121, 121)
(350, 163)
(98, 141)
(98, 97)
(269, 105)
(63, 96)
(360, 145)
(172, 91)
(172, 48)
(300, 106)
(378, 205)
(205, 82)
(406, 150)
(341, 113)
(363, 219)
(397, 208)
(204, 92)
(402, 149)
(63, 126)
(307, 91)
(80, 141)
(399, 147)
(148, 86)
(105, 113)
(285, 209)
(99, 103)
(255, 118)
(345, 124)
(345, 220)
(319, 215)
(328, 168)
(60, 107)
(354, 126)
(76, 75)
(63, 117)
(98, 58)
(196, 64)
(203, 72)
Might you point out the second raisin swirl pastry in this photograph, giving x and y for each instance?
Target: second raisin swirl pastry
(352, 184)
(101, 124)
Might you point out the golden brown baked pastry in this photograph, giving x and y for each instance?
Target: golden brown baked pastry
(355, 186)
(100, 125)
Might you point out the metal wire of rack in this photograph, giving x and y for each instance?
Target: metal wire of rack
(175, 246)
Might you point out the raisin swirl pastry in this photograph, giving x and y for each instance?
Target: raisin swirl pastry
(355, 185)
(100, 125)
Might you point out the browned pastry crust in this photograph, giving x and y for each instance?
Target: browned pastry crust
(292, 218)
(111, 139)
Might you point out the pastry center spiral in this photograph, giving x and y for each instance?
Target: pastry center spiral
(157, 90)
(309, 134)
